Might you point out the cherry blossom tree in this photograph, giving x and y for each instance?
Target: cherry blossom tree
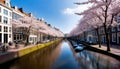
(108, 9)
(41, 27)
(29, 23)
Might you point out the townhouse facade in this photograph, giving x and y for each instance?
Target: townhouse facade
(5, 18)
(19, 34)
(115, 36)
(9, 33)
(92, 37)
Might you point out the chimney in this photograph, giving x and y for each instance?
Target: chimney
(30, 14)
(15, 8)
(21, 9)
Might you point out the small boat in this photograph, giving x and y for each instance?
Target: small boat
(79, 48)
(76, 45)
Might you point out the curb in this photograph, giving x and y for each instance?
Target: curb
(89, 47)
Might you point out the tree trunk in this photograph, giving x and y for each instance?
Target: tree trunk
(27, 36)
(40, 37)
(84, 36)
(27, 41)
(107, 37)
(98, 35)
(105, 27)
(108, 41)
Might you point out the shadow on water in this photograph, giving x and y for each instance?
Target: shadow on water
(63, 56)
(92, 60)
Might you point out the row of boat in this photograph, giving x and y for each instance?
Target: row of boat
(78, 47)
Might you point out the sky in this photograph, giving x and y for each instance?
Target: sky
(58, 13)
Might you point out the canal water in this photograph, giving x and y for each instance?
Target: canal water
(63, 56)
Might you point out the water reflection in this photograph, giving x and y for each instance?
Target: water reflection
(66, 59)
(38, 60)
(92, 60)
(63, 56)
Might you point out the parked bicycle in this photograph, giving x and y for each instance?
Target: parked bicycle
(3, 47)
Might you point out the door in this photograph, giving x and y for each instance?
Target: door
(5, 38)
(0, 38)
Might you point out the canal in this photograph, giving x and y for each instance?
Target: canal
(63, 56)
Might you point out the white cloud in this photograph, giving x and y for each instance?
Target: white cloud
(78, 9)
(71, 19)
(68, 11)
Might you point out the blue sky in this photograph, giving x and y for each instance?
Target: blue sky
(58, 13)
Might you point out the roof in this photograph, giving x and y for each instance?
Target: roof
(2, 1)
(20, 10)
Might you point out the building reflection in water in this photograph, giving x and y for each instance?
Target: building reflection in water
(92, 60)
(63, 56)
(38, 60)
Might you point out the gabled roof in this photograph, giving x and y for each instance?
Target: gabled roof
(20, 10)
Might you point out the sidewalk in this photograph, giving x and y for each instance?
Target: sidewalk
(114, 48)
(22, 50)
(14, 49)
(13, 52)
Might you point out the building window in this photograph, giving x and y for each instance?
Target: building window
(9, 29)
(119, 28)
(0, 28)
(113, 37)
(9, 35)
(0, 18)
(5, 20)
(10, 14)
(0, 9)
(16, 16)
(103, 39)
(5, 29)
(17, 36)
(14, 37)
(30, 39)
(101, 31)
(10, 20)
(7, 4)
(118, 19)
(113, 29)
(5, 12)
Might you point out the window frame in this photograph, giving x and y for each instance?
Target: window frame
(0, 28)
(5, 12)
(118, 28)
(114, 37)
(5, 20)
(0, 18)
(0, 9)
(5, 29)
(10, 29)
